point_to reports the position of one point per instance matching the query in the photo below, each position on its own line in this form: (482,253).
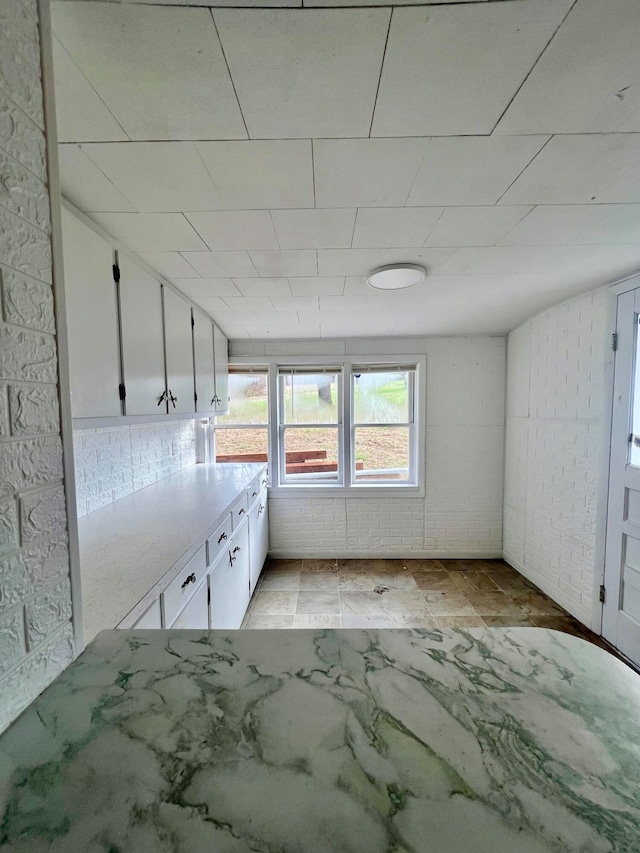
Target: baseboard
(307,554)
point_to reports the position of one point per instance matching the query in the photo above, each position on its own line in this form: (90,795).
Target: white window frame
(398,489)
(262,369)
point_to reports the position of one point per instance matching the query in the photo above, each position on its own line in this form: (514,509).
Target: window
(243,434)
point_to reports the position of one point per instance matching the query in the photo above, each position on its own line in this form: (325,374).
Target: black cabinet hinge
(601,596)
(208,595)
(122,391)
(614,341)
(193,322)
(116,273)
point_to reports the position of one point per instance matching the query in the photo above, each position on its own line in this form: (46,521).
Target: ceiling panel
(453,70)
(577,169)
(221,264)
(170,264)
(314,229)
(256,304)
(475,226)
(384,227)
(213,305)
(576,223)
(261,174)
(295,303)
(84,185)
(207,288)
(471,170)
(80,113)
(317,285)
(150,232)
(588,79)
(361,261)
(366,172)
(157,176)
(235,229)
(159,69)
(263,286)
(285,263)
(300,75)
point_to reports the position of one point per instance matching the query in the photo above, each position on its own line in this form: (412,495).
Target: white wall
(461,514)
(113,462)
(36,637)
(555,371)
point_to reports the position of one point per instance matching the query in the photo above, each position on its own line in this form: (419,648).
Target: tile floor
(402,594)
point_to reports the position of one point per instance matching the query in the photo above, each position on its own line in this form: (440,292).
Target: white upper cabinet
(142,341)
(92,321)
(221,351)
(204,364)
(179,353)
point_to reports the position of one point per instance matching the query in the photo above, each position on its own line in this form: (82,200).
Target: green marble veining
(479,741)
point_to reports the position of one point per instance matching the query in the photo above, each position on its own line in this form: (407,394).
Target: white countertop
(127,548)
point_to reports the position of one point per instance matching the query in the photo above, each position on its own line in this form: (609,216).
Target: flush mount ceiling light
(396,276)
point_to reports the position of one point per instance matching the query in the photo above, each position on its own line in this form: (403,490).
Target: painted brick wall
(36,638)
(461,514)
(113,462)
(553,444)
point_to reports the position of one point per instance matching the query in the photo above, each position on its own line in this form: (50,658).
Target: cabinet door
(196,613)
(179,352)
(142,340)
(229,583)
(258,539)
(221,349)
(92,321)
(204,363)
(151,618)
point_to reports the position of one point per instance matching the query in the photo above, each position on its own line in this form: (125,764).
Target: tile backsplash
(113,462)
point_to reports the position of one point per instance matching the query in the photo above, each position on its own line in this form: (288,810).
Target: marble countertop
(518,740)
(127,548)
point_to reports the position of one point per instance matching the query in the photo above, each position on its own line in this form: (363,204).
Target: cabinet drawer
(253,492)
(239,511)
(196,613)
(179,591)
(218,540)
(151,618)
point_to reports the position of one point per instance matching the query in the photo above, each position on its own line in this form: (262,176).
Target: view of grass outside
(379,398)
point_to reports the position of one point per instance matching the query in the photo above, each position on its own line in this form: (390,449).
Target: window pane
(248,400)
(381,398)
(310,398)
(382,453)
(242,445)
(311,454)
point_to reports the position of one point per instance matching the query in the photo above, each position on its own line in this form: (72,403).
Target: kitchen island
(518,740)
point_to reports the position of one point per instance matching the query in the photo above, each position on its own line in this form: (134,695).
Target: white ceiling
(265,159)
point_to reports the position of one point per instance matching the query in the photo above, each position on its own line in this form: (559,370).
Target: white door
(621,611)
(204,363)
(179,353)
(92,321)
(229,583)
(221,350)
(142,341)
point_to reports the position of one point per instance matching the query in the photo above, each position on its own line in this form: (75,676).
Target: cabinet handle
(190,579)
(253,494)
(241,511)
(222,537)
(162,397)
(173,399)
(236,549)
(264,482)
(260,509)
(232,559)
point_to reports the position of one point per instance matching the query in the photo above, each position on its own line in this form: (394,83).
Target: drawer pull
(190,579)
(260,509)
(264,482)
(241,511)
(222,537)
(232,559)
(236,549)
(253,494)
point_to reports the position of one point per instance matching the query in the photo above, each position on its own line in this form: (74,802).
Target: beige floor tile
(396,578)
(259,620)
(280,581)
(325,603)
(507,621)
(319,566)
(449,604)
(274,603)
(362,580)
(361,604)
(473,582)
(283,566)
(315,620)
(351,620)
(464,565)
(509,580)
(327,581)
(419,566)
(460,622)
(535,603)
(414,619)
(494,604)
(437,581)
(400,603)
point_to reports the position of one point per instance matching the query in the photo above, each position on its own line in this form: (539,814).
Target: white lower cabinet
(258,538)
(151,618)
(229,582)
(196,613)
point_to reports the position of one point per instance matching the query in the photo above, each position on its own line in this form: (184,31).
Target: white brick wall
(113,462)
(461,514)
(555,370)
(36,637)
